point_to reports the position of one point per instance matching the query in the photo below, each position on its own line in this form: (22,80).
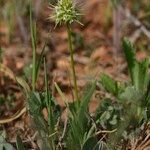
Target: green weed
(129,109)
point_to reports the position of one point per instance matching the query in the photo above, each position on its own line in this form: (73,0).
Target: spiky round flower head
(65,12)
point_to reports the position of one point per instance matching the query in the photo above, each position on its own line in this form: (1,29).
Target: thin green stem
(72,63)
(1,51)
(33,66)
(33,40)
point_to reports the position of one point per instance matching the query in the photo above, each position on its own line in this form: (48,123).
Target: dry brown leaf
(99,53)
(63,64)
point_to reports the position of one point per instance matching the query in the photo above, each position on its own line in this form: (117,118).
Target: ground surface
(93,54)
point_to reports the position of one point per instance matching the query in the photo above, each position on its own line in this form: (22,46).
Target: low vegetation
(122,115)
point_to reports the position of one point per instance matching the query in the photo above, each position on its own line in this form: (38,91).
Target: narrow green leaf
(33,40)
(109,84)
(1,52)
(143,74)
(85,101)
(133,66)
(19,143)
(39,61)
(62,94)
(24,85)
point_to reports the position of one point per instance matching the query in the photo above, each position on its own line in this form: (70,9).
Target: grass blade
(39,62)
(85,101)
(33,40)
(19,143)
(62,94)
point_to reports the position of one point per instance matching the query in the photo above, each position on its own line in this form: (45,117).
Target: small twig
(135,36)
(105,131)
(13,117)
(136,22)
(50,136)
(65,127)
(117,30)
(29,139)
(63,134)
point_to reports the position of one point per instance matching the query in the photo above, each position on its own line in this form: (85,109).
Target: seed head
(65,12)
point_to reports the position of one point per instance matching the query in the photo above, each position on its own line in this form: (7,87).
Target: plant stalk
(33,40)
(72,63)
(33,68)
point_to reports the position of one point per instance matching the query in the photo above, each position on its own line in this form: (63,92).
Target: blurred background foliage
(15,15)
